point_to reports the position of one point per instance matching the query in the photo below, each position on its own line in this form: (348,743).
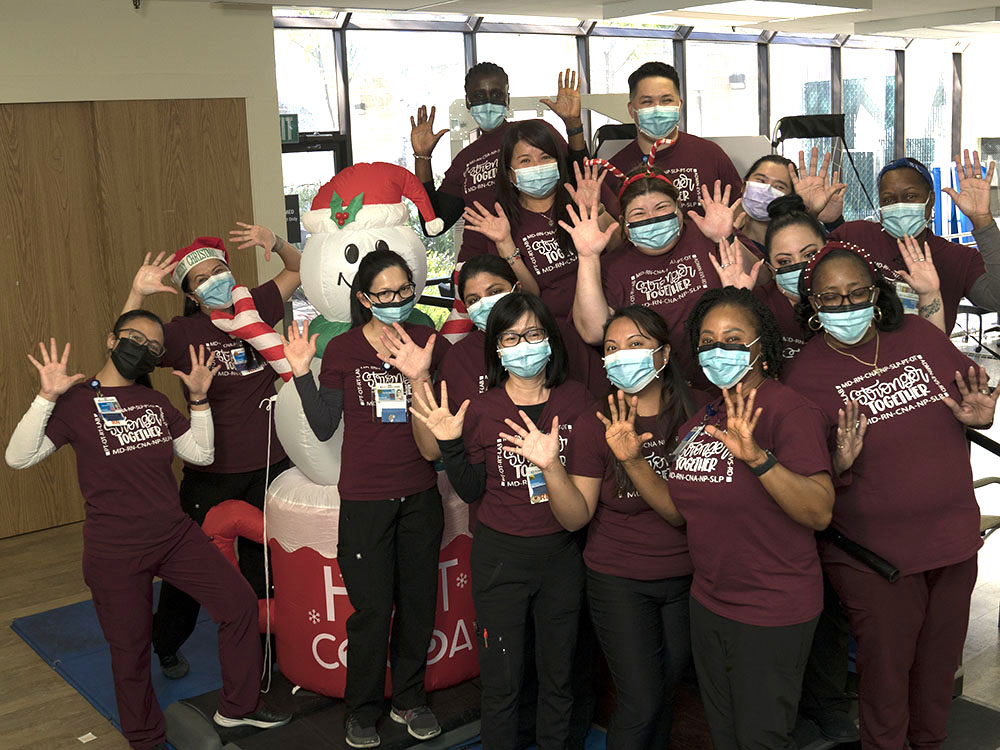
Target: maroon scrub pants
(910,637)
(123,597)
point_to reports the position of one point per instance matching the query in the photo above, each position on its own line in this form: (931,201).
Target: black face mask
(133,360)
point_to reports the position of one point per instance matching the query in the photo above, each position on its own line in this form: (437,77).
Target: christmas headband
(828,248)
(648,174)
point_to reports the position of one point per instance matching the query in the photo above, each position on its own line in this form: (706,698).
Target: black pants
(645,631)
(750,679)
(826,671)
(200,491)
(388,553)
(514,579)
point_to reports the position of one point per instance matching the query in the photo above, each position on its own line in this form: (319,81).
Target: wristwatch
(759,471)
(574,131)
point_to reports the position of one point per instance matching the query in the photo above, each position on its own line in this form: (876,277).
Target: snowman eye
(351,253)
(381,245)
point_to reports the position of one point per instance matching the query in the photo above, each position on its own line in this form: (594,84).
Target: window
(869,81)
(927,121)
(800,85)
(305,64)
(614,58)
(722,89)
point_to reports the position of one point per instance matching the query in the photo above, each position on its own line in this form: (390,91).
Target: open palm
(52,371)
(741,420)
(619,429)
(494,227)
(535,446)
(443,425)
(300,348)
(149,278)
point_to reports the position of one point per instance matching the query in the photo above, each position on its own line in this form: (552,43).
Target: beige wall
(86,50)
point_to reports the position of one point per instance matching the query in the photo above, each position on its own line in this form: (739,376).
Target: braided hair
(485,69)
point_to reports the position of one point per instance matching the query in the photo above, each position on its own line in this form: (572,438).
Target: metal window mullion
(583,68)
(680,65)
(836,82)
(899,130)
(764,87)
(956,103)
(344,94)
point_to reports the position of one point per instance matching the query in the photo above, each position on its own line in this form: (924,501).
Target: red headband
(648,174)
(828,248)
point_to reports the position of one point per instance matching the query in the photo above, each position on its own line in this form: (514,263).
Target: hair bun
(786,204)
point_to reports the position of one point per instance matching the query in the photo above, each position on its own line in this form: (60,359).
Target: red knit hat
(371,184)
(203,248)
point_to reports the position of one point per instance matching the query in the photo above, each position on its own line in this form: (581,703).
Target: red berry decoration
(349,211)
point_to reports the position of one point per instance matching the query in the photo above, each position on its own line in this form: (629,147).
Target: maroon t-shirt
(241,426)
(793,337)
(958,266)
(671,284)
(379,460)
(124,470)
(551,263)
(506,505)
(463,368)
(910,497)
(690,163)
(752,562)
(626,537)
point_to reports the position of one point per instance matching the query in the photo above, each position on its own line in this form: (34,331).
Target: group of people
(667,393)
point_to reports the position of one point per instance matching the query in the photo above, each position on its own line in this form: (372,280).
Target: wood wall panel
(86,189)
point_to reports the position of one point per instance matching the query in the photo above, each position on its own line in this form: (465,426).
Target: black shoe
(836,726)
(262,718)
(174,666)
(357,735)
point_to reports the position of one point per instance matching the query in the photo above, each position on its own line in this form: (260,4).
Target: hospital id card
(909,298)
(390,402)
(538,492)
(109,409)
(693,435)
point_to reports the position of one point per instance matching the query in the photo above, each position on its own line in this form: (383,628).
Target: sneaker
(174,666)
(262,718)
(357,735)
(420,721)
(836,726)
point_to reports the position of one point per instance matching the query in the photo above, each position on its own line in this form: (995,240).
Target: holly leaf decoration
(343,212)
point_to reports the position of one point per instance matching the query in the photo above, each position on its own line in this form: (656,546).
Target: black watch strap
(765,467)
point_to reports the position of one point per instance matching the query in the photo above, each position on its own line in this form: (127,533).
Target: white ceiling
(908,18)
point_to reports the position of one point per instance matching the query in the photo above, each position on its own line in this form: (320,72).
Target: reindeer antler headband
(647,174)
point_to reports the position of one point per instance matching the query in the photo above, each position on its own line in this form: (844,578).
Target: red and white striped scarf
(459,324)
(247,324)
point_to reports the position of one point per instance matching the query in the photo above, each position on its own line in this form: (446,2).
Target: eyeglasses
(854,297)
(532,336)
(155,347)
(389,295)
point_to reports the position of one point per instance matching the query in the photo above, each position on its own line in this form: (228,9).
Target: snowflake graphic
(313,616)
(462,580)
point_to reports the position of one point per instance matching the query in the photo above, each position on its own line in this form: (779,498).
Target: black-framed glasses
(155,347)
(404,292)
(532,336)
(858,296)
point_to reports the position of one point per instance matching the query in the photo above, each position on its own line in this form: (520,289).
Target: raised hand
(973,195)
(585,231)
(717,223)
(300,348)
(535,446)
(200,377)
(619,430)
(422,135)
(741,419)
(252,235)
(443,425)
(149,278)
(587,191)
(851,428)
(494,227)
(405,355)
(920,272)
(730,269)
(52,371)
(567,103)
(978,402)
(812,184)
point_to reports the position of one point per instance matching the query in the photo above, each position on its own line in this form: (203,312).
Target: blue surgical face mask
(631,369)
(787,277)
(655,233)
(216,292)
(488,116)
(904,219)
(725,365)
(525,359)
(757,196)
(479,311)
(394,312)
(658,121)
(537,181)
(847,324)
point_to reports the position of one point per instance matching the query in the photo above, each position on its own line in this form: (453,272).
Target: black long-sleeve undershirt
(323,406)
(469,480)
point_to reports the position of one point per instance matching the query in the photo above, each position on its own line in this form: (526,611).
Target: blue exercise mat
(69,639)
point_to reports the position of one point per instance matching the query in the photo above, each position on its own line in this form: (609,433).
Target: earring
(878,314)
(764,365)
(813,322)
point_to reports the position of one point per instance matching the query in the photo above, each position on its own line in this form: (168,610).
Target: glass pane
(306,12)
(929,72)
(800,85)
(533,20)
(613,59)
(369,16)
(722,90)
(305,64)
(869,105)
(649,21)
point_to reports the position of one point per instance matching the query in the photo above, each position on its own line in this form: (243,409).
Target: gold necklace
(876,369)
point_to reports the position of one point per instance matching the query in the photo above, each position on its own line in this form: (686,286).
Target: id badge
(240,359)
(390,402)
(909,298)
(538,492)
(693,435)
(109,409)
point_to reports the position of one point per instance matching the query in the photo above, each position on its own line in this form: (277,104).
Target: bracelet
(574,131)
(511,258)
(278,242)
(421,156)
(199,402)
(765,467)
